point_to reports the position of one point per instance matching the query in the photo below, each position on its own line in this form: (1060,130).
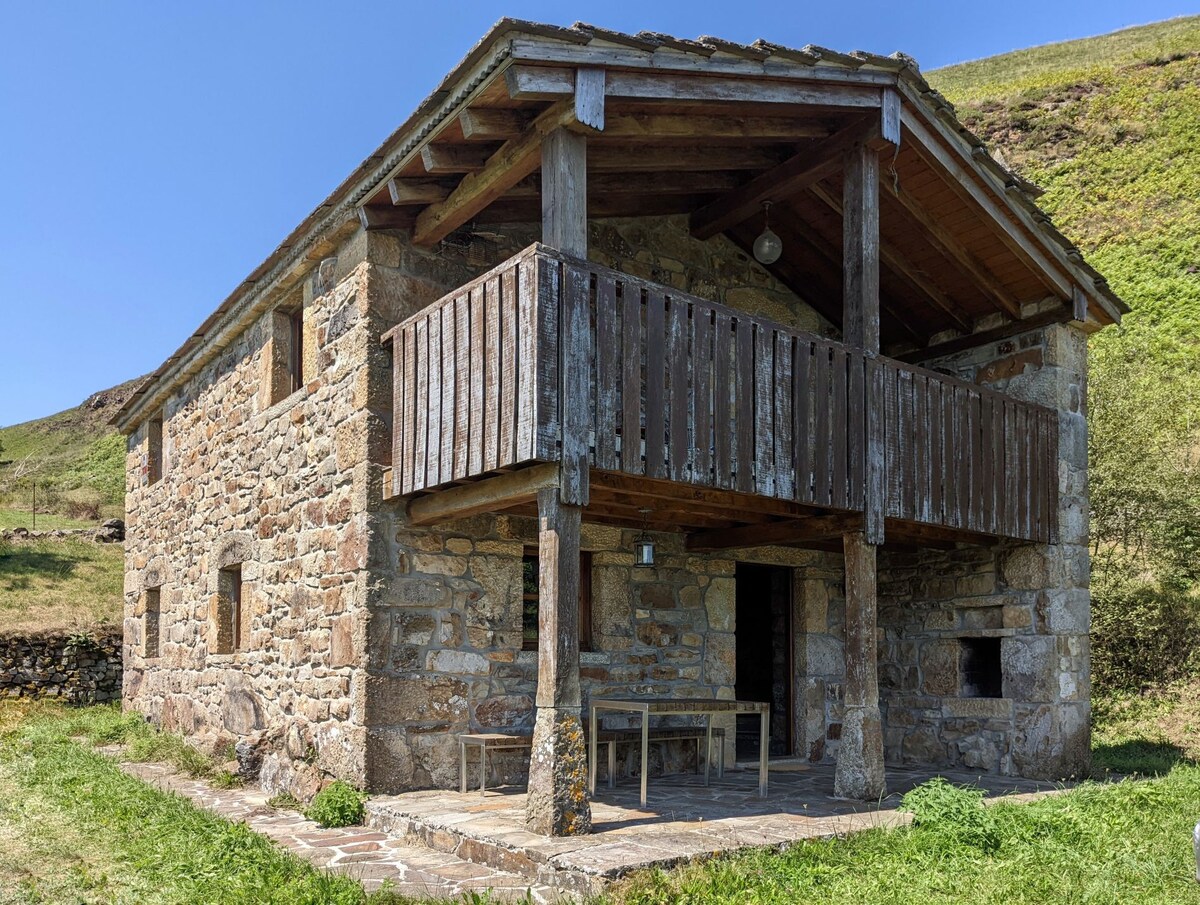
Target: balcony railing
(687,390)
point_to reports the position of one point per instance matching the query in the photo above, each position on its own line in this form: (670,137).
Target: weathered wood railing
(695,392)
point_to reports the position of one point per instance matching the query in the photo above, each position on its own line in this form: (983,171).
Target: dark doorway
(764,655)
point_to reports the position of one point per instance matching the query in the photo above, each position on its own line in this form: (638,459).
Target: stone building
(390,490)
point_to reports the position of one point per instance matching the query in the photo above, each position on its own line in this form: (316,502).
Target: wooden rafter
(488,495)
(789,178)
(515,160)
(899,264)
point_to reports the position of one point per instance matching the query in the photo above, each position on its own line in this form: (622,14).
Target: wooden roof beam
(788,179)
(548,83)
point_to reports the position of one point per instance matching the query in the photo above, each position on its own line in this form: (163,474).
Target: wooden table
(682,707)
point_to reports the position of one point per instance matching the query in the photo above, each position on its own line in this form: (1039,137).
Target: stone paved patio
(367,855)
(684,820)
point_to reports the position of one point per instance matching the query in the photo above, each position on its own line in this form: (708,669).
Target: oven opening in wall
(979,667)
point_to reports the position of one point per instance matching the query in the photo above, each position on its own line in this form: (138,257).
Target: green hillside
(76,460)
(1108,127)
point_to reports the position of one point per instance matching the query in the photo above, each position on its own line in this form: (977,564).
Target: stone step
(503,849)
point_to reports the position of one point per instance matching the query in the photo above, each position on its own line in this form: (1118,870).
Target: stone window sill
(586,658)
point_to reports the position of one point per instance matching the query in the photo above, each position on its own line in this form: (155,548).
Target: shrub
(83,510)
(955,814)
(1143,636)
(338,804)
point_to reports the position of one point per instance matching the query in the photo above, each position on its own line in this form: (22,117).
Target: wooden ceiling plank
(711,127)
(950,248)
(790,177)
(515,160)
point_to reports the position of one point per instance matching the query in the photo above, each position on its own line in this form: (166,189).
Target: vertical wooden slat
(1011,468)
(506,453)
(462,385)
(977,476)
(743,413)
(702,381)
(802,403)
(679,366)
(891,437)
(422,406)
(410,400)
(449,379)
(921,446)
(397,411)
(723,427)
(936,472)
(493,312)
(608,350)
(764,411)
(785,447)
(962,404)
(856,424)
(997,445)
(838,474)
(822,433)
(908,457)
(655,365)
(527,351)
(549,315)
(986,466)
(631,381)
(407,391)
(478,355)
(949,457)
(575,360)
(434,445)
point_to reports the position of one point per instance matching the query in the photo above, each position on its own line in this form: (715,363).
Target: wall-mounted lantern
(643,546)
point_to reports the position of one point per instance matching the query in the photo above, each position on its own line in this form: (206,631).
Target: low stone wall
(74,667)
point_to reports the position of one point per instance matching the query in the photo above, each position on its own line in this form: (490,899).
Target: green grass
(23,518)
(60,583)
(75,829)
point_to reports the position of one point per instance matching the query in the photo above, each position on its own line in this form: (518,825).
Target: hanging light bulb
(768,246)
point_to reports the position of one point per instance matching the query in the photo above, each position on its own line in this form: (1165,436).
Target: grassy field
(60,583)
(75,829)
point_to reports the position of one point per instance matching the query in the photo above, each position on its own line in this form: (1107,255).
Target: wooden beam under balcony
(489,495)
(797,531)
(789,178)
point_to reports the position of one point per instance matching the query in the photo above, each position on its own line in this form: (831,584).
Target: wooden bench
(507,741)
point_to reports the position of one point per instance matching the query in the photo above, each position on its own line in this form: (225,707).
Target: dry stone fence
(80,668)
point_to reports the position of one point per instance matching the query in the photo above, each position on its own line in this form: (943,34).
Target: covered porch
(692,821)
(556,388)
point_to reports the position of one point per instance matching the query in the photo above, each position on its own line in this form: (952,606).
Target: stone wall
(79,668)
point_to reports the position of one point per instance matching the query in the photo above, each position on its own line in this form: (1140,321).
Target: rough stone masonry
(364,645)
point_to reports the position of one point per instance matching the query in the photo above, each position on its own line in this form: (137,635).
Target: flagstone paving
(366,855)
(684,820)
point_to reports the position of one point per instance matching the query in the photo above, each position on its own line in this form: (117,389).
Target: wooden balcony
(691,392)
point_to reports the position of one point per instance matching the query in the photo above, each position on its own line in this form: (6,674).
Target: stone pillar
(557,803)
(859,772)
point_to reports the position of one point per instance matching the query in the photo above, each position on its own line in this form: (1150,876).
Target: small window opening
(229,610)
(530,600)
(154,450)
(153,618)
(296,349)
(980,668)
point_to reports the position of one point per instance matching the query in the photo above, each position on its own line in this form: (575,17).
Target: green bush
(954,813)
(338,804)
(1143,636)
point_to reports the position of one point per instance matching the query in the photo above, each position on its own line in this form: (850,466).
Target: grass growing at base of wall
(60,583)
(75,829)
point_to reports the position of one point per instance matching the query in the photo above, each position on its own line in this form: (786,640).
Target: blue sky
(152,154)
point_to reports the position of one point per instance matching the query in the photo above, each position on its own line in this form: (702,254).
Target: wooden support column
(557,803)
(859,773)
(564,226)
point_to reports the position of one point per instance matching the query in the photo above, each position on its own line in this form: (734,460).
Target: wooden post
(557,803)
(564,192)
(859,773)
